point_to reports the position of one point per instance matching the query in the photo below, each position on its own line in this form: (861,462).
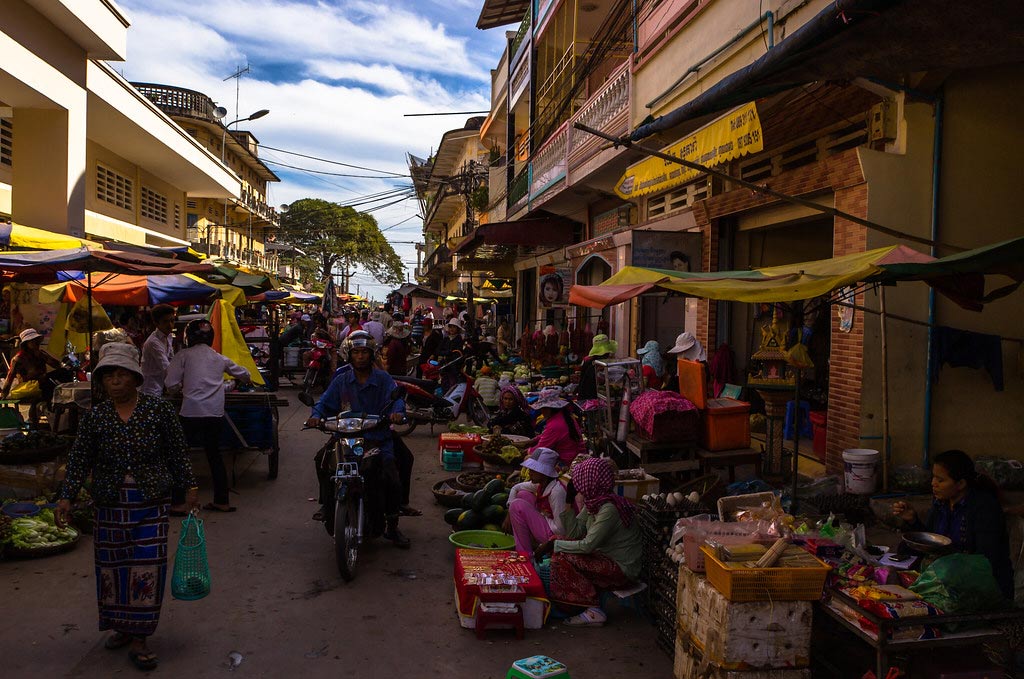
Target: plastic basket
(765,584)
(191,578)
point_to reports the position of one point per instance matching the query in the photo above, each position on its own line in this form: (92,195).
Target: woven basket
(19,553)
(450,501)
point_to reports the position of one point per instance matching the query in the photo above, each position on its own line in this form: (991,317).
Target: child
(535,506)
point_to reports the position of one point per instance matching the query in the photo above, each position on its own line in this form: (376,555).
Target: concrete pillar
(49,168)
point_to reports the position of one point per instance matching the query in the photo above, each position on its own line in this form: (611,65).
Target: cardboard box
(634,489)
(690,663)
(742,636)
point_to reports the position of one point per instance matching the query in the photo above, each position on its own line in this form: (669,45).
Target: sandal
(117,640)
(144,660)
(406,510)
(209,506)
(592,617)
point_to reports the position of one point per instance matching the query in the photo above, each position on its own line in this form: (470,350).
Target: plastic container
(452,460)
(819,426)
(292,356)
(693,382)
(861,470)
(482,539)
(726,425)
(765,584)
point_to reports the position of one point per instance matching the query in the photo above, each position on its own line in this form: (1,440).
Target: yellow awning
(39,239)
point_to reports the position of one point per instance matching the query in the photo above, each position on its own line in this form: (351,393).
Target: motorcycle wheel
(405,429)
(478,413)
(346,537)
(309,380)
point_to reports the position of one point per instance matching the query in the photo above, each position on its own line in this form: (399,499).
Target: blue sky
(337,77)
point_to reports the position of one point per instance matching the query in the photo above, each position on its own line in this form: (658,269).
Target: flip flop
(409,511)
(209,506)
(145,661)
(117,640)
(588,618)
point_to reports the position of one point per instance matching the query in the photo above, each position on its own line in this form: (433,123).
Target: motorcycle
(353,511)
(424,403)
(318,366)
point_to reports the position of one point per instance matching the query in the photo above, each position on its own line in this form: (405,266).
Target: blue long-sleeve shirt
(371,398)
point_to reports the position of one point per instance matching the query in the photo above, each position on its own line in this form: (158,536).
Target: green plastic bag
(191,579)
(960,583)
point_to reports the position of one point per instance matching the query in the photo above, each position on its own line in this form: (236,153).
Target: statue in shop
(771,357)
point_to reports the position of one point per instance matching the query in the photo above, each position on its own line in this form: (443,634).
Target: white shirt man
(199,371)
(157,350)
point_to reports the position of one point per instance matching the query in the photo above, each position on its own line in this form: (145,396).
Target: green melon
(468,520)
(467,501)
(480,500)
(451,517)
(493,527)
(500,499)
(494,514)
(494,486)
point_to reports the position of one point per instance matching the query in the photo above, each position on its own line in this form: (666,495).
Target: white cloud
(336,78)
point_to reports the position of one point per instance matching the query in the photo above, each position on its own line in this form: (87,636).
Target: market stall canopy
(40,265)
(960,277)
(21,236)
(130,290)
(537,232)
(285,297)
(883,39)
(412,288)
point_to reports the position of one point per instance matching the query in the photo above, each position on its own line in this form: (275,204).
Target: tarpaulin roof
(40,264)
(527,232)
(129,290)
(960,277)
(868,38)
(21,236)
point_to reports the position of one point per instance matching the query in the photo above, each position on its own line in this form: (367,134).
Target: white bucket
(291,356)
(861,466)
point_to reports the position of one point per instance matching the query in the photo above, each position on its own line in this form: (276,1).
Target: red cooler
(726,425)
(464,442)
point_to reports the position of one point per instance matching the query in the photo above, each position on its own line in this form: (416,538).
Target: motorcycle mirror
(399,392)
(306,399)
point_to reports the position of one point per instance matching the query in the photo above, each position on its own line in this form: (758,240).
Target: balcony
(254,203)
(521,42)
(177,101)
(549,162)
(519,191)
(607,110)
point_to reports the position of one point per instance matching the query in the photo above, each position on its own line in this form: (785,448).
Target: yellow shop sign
(735,134)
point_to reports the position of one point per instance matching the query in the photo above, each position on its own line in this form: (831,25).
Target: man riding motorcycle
(365,389)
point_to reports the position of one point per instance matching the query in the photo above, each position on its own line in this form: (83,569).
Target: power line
(332,174)
(449,113)
(332,162)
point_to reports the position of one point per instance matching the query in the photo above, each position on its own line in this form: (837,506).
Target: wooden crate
(689,663)
(742,636)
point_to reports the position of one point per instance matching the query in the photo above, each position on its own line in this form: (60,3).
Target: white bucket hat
(119,355)
(550,401)
(543,461)
(400,330)
(689,347)
(28,334)
(456,322)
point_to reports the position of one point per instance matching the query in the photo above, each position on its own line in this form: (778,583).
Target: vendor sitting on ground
(966,509)
(513,416)
(535,507)
(561,431)
(28,368)
(601,548)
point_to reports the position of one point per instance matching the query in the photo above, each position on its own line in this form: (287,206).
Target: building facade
(82,152)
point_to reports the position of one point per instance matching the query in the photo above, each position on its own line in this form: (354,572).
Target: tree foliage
(334,234)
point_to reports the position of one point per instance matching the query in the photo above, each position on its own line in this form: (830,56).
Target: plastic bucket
(861,467)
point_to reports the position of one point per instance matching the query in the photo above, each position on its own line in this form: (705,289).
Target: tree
(333,234)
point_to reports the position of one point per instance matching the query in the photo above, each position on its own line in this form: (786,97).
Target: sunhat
(689,347)
(28,334)
(543,460)
(306,318)
(400,330)
(375,316)
(119,355)
(602,345)
(550,402)
(456,322)
(652,345)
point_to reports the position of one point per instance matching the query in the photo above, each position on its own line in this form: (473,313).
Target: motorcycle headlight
(350,424)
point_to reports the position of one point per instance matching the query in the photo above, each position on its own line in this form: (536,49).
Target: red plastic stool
(486,618)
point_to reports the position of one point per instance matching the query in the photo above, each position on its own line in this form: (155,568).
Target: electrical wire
(332,162)
(331,174)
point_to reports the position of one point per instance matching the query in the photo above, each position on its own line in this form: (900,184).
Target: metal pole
(796,442)
(885,391)
(88,297)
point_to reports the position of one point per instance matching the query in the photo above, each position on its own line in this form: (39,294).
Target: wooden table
(644,448)
(730,459)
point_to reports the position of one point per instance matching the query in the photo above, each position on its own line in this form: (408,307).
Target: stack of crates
(451,459)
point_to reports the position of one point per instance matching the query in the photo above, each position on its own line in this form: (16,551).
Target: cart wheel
(274,458)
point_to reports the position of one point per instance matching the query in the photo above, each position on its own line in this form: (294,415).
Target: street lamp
(223,154)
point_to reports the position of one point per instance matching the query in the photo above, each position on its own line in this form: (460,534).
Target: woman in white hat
(29,365)
(133,446)
(535,507)
(689,347)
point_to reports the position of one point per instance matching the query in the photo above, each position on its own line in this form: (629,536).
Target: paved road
(277,599)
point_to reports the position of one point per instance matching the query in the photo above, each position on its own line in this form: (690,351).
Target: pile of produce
(38,532)
(457,428)
(22,447)
(521,371)
(500,447)
(553,382)
(483,510)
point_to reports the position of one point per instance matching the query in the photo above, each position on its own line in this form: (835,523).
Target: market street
(278,601)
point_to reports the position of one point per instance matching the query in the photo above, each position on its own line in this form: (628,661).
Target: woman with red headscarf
(601,547)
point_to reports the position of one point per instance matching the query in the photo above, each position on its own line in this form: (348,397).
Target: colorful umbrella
(128,290)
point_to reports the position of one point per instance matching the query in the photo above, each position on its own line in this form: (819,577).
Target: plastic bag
(191,579)
(959,583)
(26,391)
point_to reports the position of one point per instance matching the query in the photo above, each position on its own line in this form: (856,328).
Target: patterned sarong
(577,578)
(131,562)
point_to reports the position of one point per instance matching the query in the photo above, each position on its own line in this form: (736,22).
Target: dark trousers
(205,432)
(404,459)
(381,474)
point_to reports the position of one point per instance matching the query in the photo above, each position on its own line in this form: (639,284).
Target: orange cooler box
(463,442)
(693,382)
(726,424)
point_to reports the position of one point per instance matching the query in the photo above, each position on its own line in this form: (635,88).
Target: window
(153,205)
(6,142)
(177,215)
(191,204)
(114,188)
(192,219)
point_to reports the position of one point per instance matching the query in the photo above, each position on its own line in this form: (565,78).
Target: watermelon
(468,520)
(451,517)
(494,486)
(467,501)
(494,514)
(493,527)
(480,500)
(500,499)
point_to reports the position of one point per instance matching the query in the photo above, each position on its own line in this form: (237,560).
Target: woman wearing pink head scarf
(601,548)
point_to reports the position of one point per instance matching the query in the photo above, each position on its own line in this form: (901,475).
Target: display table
(475,568)
(644,448)
(886,646)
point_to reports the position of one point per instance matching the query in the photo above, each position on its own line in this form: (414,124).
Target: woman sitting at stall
(966,509)
(602,348)
(601,548)
(535,507)
(513,416)
(653,365)
(561,432)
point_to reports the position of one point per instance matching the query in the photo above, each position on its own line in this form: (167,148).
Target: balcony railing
(252,202)
(550,162)
(607,110)
(177,101)
(519,191)
(520,39)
